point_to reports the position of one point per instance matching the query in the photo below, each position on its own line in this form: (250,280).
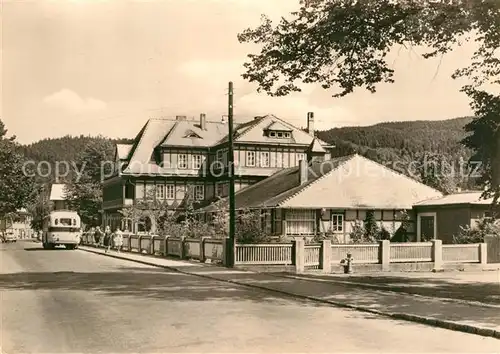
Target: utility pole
(232,210)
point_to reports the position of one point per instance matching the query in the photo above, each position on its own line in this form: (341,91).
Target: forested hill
(401,140)
(66,148)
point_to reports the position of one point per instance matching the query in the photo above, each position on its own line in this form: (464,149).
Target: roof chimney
(180,118)
(203,121)
(310,123)
(303,171)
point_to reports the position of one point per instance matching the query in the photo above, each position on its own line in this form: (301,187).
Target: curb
(454,326)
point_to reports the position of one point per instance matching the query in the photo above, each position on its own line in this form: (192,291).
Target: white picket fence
(314,254)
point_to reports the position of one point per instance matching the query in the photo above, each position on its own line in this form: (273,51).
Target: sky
(106,67)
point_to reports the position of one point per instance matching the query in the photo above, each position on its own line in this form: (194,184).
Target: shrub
(401,234)
(370,226)
(383,234)
(484,226)
(357,235)
(249,227)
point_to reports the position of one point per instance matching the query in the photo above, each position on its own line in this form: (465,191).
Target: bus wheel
(70,247)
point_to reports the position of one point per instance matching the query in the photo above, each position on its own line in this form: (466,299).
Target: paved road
(72,301)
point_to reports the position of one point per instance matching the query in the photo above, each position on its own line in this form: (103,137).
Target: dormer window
(279,134)
(192,134)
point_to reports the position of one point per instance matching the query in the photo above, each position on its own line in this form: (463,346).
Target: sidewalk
(481,288)
(463,317)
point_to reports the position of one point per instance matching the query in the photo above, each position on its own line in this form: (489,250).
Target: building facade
(19,223)
(329,197)
(444,217)
(171,158)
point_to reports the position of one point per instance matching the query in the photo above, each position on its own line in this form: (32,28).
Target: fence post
(183,250)
(299,255)
(325,257)
(385,255)
(152,245)
(202,249)
(139,244)
(483,253)
(437,255)
(165,246)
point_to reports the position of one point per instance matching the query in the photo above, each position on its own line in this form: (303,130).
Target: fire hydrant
(347,263)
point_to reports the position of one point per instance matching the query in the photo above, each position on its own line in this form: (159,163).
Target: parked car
(9,237)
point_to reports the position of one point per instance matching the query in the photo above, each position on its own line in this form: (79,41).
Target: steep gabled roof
(123,150)
(181,134)
(345,182)
(316,146)
(255,132)
(150,136)
(188,133)
(278,126)
(280,186)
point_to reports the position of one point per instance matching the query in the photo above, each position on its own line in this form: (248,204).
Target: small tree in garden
(383,234)
(401,234)
(249,227)
(357,235)
(220,220)
(132,214)
(476,234)
(370,226)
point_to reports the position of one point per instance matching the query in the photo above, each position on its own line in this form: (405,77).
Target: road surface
(59,301)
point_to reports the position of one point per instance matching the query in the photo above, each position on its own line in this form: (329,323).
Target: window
(264,159)
(160,191)
(300,156)
(199,192)
(251,158)
(219,190)
(337,222)
(279,134)
(276,216)
(182,161)
(170,191)
(488,215)
(196,162)
(65,222)
(300,222)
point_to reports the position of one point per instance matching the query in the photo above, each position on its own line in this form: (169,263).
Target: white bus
(61,227)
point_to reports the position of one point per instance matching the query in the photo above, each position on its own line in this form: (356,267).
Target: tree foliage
(476,234)
(16,181)
(484,140)
(84,193)
(344,44)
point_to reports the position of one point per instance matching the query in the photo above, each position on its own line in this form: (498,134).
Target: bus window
(74,222)
(56,221)
(65,221)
